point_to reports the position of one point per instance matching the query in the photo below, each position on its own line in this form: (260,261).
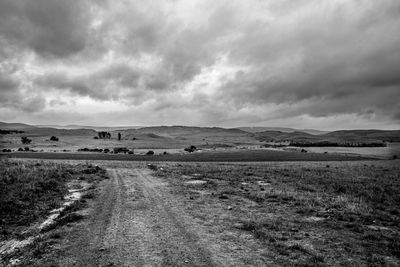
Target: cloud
(224,62)
(51,28)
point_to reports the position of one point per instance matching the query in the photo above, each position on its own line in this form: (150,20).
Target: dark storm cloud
(107,83)
(347,65)
(12,97)
(52,28)
(221,60)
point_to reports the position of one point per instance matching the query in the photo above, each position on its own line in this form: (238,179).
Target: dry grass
(343,213)
(30,189)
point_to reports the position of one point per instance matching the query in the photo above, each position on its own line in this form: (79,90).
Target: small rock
(102,249)
(229,207)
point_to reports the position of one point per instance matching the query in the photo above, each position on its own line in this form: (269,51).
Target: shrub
(120,150)
(104,135)
(152,167)
(191,149)
(25,140)
(150,152)
(54,138)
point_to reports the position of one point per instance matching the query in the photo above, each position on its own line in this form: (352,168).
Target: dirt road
(136,222)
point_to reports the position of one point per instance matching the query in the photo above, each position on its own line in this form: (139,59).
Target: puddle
(196,182)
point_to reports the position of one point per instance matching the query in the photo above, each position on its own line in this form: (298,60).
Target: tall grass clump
(28,190)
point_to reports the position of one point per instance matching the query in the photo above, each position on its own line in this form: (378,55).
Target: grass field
(303,214)
(209,156)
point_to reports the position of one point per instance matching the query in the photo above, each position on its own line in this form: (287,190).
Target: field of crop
(307,214)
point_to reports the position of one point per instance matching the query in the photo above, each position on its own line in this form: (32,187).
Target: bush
(190,149)
(150,152)
(120,150)
(25,140)
(54,138)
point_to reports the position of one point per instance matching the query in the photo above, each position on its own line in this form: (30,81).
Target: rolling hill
(343,136)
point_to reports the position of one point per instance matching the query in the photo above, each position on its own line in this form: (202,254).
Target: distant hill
(278,136)
(216,134)
(344,136)
(60,132)
(368,135)
(179,131)
(40,131)
(96,128)
(15,126)
(281,129)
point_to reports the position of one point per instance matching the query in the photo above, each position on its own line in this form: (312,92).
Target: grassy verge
(307,214)
(30,189)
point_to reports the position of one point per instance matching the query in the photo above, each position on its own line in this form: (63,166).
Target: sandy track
(135,222)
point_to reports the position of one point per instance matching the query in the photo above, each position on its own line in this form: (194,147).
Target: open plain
(225,214)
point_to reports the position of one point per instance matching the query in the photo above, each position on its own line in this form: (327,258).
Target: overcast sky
(332,64)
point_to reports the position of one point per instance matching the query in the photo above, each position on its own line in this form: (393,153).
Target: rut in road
(136,223)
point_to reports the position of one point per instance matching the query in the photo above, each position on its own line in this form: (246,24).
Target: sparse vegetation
(300,213)
(28,190)
(104,135)
(190,149)
(338,144)
(10,131)
(120,150)
(54,138)
(25,140)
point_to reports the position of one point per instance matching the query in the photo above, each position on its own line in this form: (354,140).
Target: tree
(104,135)
(119,136)
(25,140)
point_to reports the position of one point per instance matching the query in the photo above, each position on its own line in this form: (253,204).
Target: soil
(136,222)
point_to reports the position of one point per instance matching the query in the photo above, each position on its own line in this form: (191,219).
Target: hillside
(186,131)
(344,136)
(281,129)
(15,126)
(366,135)
(45,131)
